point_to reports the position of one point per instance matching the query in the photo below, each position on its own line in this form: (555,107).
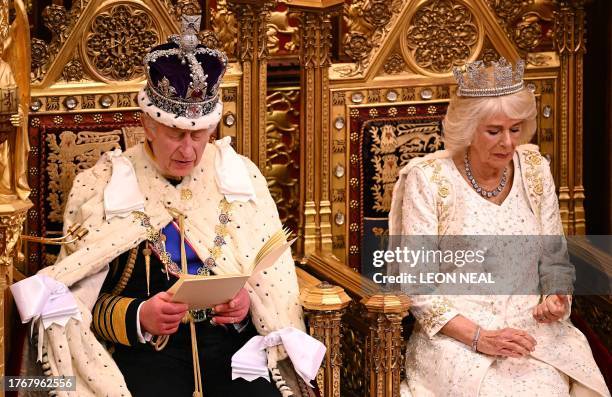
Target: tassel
(197,373)
(280,383)
(147,255)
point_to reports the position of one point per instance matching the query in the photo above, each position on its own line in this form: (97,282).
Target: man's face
(176,151)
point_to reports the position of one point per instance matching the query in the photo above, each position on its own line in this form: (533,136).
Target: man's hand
(234,311)
(552,309)
(508,342)
(160,316)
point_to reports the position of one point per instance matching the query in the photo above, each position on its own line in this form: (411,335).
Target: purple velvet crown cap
(183,79)
(178,72)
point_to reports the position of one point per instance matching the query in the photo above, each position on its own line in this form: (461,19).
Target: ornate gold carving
(358,46)
(488,53)
(229,94)
(338,195)
(384,343)
(507,10)
(225,26)
(4,20)
(395,64)
(539,59)
(11,223)
(393,145)
(522,20)
(338,242)
(338,98)
(569,41)
(282,169)
(339,146)
(74,153)
(408,94)
(252,29)
(528,32)
(55,19)
(40,57)
(279,23)
(133,135)
(324,306)
(378,13)
(10,230)
(354,353)
(119,37)
(441,34)
(210,39)
(123,100)
(73,71)
(186,7)
(367,24)
(308,55)
(373,97)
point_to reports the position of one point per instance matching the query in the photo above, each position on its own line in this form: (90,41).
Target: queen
(490,182)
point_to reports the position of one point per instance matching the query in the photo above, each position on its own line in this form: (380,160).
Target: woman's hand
(552,309)
(160,316)
(507,342)
(234,311)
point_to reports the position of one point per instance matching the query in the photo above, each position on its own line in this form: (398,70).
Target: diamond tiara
(478,80)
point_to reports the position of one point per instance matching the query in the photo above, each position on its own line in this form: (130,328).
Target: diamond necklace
(479,189)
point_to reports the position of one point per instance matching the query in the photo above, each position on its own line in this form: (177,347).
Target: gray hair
(465,114)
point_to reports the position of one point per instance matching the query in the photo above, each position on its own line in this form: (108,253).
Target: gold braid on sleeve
(127,272)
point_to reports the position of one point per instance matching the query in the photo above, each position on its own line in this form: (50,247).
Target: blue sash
(173,247)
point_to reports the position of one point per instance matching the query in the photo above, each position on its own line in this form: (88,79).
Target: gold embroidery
(434,316)
(186,194)
(533,177)
(96,316)
(533,158)
(439,180)
(433,169)
(106,312)
(127,272)
(119,312)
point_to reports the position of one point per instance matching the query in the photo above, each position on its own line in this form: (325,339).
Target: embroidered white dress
(436,200)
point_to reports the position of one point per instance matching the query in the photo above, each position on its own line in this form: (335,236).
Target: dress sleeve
(557,274)
(420,231)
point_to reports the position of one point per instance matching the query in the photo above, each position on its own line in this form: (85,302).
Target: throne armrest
(374,322)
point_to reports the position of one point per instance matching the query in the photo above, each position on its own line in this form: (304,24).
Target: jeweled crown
(183,76)
(499,78)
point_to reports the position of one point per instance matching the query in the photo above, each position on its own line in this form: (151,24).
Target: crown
(478,80)
(183,79)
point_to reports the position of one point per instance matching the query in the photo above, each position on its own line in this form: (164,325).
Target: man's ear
(149,126)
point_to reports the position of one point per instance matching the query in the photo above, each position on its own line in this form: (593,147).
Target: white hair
(465,114)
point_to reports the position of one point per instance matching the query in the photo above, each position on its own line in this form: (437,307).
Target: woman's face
(495,140)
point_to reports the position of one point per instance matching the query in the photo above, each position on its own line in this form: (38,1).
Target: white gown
(437,365)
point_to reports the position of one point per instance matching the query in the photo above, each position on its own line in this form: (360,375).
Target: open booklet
(202,292)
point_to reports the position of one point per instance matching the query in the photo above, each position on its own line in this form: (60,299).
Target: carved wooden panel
(382,141)
(283,153)
(61,147)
